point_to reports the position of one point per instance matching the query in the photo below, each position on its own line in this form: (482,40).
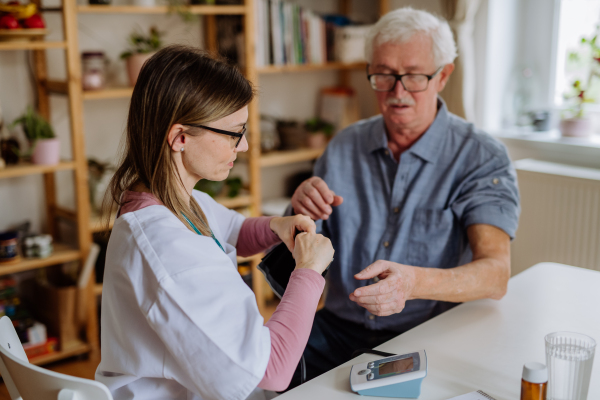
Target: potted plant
(574,121)
(44,146)
(142,47)
(319,132)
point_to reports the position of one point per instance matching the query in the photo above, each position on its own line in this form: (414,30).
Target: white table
(484,344)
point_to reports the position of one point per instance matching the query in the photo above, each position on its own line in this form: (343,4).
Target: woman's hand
(285,228)
(313,251)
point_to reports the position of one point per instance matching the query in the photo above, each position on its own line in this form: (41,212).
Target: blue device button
(370,365)
(370,377)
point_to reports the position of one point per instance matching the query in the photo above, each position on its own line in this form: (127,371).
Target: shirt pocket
(433,240)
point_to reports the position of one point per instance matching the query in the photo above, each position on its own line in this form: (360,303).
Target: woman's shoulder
(166,242)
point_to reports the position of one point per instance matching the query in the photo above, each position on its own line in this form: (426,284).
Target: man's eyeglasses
(410,82)
(238,135)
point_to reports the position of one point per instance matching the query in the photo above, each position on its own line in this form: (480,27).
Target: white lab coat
(178,322)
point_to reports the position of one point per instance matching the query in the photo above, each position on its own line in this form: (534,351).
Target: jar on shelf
(37,246)
(93,70)
(8,247)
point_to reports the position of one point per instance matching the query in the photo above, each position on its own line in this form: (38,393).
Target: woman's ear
(176,137)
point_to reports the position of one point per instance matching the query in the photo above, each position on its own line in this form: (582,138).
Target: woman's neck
(140,187)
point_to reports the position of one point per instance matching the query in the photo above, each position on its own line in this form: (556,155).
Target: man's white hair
(400,25)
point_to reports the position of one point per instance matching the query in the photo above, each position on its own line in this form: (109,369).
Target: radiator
(560,217)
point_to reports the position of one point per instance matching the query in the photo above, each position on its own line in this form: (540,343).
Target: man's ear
(444,75)
(176,138)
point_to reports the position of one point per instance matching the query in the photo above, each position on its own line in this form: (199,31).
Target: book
(48,347)
(478,395)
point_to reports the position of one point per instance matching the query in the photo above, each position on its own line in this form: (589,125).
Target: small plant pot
(292,135)
(134,66)
(46,152)
(576,127)
(316,140)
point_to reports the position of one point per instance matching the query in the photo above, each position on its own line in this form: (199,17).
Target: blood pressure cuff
(277,266)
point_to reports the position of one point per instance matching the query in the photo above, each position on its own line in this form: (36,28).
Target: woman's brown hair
(178,85)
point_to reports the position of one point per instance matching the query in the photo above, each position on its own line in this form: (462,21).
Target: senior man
(418,203)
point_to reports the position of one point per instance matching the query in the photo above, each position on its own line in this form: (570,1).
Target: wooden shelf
(74,349)
(38,45)
(108,93)
(62,254)
(197,10)
(23,169)
(275,69)
(283,157)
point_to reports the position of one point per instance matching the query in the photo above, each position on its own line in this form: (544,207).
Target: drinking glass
(569,357)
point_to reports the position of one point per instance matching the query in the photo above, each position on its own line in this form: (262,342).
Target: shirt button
(387,153)
(376,279)
(396,210)
(495,181)
(371,317)
(386,244)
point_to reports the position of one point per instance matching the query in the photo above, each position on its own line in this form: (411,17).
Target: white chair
(26,381)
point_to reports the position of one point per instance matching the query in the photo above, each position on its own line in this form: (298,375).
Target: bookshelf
(63,252)
(258,162)
(24,169)
(40,45)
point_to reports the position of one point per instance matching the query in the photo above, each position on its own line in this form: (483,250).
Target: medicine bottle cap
(535,372)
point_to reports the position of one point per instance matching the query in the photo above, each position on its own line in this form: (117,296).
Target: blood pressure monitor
(396,376)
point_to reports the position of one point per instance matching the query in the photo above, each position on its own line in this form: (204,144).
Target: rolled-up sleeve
(489,194)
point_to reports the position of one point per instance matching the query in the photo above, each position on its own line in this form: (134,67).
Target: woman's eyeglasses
(238,135)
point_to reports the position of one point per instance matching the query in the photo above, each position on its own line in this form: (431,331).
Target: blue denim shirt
(414,212)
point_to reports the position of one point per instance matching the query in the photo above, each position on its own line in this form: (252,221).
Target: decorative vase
(134,66)
(316,140)
(576,127)
(46,152)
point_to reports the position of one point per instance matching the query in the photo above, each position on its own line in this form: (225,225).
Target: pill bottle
(535,381)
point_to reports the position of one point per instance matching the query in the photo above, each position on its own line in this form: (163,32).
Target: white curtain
(459,92)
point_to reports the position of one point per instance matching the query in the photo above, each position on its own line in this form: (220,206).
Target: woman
(178,322)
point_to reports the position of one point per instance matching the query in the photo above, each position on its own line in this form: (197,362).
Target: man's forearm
(480,279)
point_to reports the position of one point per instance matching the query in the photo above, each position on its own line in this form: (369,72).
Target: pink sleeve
(290,327)
(256,236)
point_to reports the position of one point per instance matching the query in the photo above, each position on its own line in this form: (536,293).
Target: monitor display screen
(397,367)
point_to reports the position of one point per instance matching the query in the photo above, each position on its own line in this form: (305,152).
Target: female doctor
(178,322)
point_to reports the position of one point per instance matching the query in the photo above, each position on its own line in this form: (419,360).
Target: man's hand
(389,295)
(314,198)
(285,228)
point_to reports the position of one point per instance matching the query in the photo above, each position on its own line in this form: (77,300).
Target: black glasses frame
(238,135)
(399,78)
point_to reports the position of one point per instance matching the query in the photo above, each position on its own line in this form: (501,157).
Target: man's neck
(401,138)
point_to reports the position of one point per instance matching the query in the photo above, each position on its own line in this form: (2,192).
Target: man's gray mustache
(405,101)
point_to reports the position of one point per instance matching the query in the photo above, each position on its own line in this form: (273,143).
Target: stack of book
(290,34)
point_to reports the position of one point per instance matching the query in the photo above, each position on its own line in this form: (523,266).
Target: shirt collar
(429,144)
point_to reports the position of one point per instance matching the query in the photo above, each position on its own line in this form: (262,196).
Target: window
(577,19)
